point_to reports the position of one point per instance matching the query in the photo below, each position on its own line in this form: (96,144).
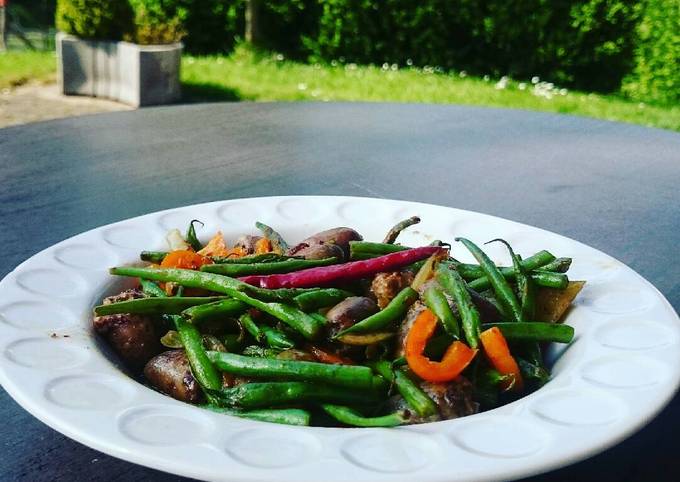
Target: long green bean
(224,308)
(393,233)
(268,394)
(414,396)
(454,285)
(540,277)
(320,298)
(474,271)
(439,305)
(306,325)
(349,416)
(149,288)
(272,337)
(394,311)
(534,331)
(560,265)
(201,366)
(287,266)
(252,259)
(155,305)
(503,291)
(156,257)
(286,416)
(191,237)
(353,376)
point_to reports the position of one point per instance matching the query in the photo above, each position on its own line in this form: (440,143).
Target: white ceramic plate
(622,368)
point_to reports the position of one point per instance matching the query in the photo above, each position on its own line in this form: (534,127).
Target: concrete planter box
(134,74)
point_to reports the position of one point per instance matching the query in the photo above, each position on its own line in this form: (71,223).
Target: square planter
(134,74)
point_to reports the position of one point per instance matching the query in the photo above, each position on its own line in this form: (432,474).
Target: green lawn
(19,67)
(244,75)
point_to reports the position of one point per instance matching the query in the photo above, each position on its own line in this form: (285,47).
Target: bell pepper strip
(351,271)
(456,358)
(184,259)
(498,353)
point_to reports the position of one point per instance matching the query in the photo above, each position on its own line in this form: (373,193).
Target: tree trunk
(253,34)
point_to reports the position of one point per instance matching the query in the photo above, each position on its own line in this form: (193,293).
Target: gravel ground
(35,102)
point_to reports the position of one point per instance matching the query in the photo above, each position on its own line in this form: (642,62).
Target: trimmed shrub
(656,75)
(157,22)
(95,19)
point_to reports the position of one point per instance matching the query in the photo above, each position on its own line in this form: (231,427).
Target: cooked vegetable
(454,361)
(276,333)
(391,313)
(287,266)
(351,271)
(496,349)
(393,233)
(351,417)
(454,285)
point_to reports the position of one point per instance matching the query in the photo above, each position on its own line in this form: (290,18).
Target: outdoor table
(612,186)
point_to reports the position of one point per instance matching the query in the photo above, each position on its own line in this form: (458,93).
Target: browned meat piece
(133,337)
(338,236)
(348,312)
(454,399)
(385,286)
(170,373)
(247,242)
(321,251)
(413,312)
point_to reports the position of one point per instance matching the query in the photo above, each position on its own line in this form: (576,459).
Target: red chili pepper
(324,275)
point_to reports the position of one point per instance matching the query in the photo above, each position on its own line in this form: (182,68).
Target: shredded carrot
(262,246)
(215,247)
(498,353)
(184,259)
(457,356)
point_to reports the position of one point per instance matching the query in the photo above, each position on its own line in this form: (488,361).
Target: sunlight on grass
(248,76)
(19,67)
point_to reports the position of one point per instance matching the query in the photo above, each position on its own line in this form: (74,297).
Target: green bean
(306,325)
(540,277)
(156,257)
(454,285)
(436,301)
(320,298)
(260,352)
(275,238)
(473,271)
(534,331)
(414,396)
(503,291)
(233,269)
(364,249)
(223,308)
(394,311)
(393,233)
(532,372)
(353,376)
(201,366)
(252,259)
(267,394)
(149,288)
(271,336)
(155,305)
(232,341)
(351,417)
(286,416)
(525,285)
(560,265)
(192,239)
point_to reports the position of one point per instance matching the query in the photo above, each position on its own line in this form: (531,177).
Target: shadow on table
(193,93)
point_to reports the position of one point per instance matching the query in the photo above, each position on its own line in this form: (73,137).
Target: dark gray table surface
(612,186)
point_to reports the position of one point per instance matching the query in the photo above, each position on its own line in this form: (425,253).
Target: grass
(19,67)
(245,75)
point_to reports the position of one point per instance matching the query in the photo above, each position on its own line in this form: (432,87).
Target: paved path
(34,102)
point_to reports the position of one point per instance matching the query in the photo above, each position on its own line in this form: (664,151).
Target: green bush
(582,43)
(157,22)
(656,75)
(95,19)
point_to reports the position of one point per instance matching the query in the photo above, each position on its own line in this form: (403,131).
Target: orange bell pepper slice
(184,259)
(263,246)
(458,355)
(498,353)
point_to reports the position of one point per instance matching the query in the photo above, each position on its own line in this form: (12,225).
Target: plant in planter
(126,51)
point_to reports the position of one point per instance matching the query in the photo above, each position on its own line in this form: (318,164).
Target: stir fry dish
(335,330)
